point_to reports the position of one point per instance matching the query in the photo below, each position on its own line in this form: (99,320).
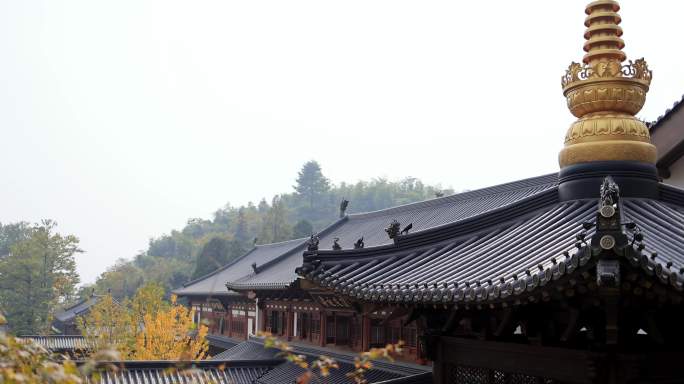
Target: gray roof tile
(69,313)
(423,215)
(201,372)
(499,254)
(214,284)
(58,343)
(383,372)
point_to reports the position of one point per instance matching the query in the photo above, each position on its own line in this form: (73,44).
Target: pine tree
(311,184)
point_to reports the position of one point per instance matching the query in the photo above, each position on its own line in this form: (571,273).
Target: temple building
(572,277)
(299,311)
(667,134)
(65,321)
(581,283)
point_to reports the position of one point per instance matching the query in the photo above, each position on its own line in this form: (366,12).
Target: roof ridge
(76,304)
(234,261)
(280,242)
(506,213)
(191,282)
(276,260)
(668,112)
(548,179)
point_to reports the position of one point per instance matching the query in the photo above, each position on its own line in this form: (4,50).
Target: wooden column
(365,332)
(324,329)
(245,327)
(290,324)
(263,313)
(230,321)
(438,368)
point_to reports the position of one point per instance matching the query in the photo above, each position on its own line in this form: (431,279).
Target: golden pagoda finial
(606,95)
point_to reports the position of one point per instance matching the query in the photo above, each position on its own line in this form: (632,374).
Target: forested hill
(205,244)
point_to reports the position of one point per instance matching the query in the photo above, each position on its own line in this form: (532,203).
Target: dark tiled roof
(214,284)
(247,350)
(59,343)
(433,213)
(423,215)
(288,373)
(201,372)
(69,313)
(420,378)
(498,254)
(663,227)
(653,126)
(224,342)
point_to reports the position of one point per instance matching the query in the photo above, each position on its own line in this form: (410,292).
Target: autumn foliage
(166,335)
(145,328)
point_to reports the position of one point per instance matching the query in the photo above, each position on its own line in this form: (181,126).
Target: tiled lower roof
(224,342)
(201,372)
(76,309)
(383,372)
(248,350)
(59,343)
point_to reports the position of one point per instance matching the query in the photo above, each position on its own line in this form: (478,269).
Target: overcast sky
(122,119)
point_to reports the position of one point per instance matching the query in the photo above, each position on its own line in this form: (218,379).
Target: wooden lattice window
(458,374)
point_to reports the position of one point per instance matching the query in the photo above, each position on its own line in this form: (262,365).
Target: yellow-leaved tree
(166,336)
(108,325)
(145,328)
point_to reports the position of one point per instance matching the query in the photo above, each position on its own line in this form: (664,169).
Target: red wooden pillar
(245,326)
(225,323)
(419,351)
(230,322)
(324,329)
(261,317)
(365,332)
(289,318)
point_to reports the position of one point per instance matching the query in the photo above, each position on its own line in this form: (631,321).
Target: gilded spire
(605,95)
(603,33)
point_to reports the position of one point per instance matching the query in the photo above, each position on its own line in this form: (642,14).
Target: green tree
(216,253)
(303,228)
(13,233)
(121,280)
(148,299)
(172,259)
(311,184)
(242,228)
(38,275)
(276,227)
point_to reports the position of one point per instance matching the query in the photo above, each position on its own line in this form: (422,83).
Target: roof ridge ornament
(393,229)
(610,196)
(312,243)
(343,207)
(605,95)
(336,244)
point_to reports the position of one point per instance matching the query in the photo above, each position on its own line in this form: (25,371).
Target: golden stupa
(605,95)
